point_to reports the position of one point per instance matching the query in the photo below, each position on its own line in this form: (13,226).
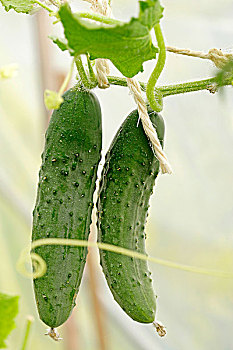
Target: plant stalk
(168,90)
(88,80)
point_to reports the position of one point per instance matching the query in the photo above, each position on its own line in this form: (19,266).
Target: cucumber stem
(85,79)
(91,73)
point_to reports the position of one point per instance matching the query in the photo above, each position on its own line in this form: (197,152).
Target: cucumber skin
(64,200)
(126,184)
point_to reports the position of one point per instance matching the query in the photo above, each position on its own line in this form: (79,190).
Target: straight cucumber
(126,185)
(64,200)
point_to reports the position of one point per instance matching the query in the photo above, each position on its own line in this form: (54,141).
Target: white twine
(215,55)
(102,65)
(148,126)
(102,70)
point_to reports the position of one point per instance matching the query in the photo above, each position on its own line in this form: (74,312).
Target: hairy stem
(182,88)
(168,90)
(82,73)
(122,82)
(155,99)
(91,73)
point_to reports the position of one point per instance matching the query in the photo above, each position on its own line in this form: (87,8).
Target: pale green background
(191,214)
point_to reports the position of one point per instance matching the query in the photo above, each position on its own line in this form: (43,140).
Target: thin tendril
(67,79)
(40,265)
(30,320)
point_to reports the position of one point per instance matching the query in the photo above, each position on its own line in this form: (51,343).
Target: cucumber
(126,185)
(64,200)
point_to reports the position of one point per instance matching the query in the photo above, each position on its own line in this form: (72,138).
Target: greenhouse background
(191,212)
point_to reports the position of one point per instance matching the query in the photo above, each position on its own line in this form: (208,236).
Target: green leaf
(127,45)
(8,311)
(150,13)
(24,6)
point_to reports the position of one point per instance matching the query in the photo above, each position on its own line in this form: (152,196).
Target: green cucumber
(65,200)
(126,185)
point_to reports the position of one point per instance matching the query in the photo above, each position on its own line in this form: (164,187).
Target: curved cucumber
(64,200)
(127,182)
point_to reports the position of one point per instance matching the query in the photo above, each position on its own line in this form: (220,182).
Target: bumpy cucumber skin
(64,200)
(126,185)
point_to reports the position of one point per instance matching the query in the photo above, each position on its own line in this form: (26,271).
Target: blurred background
(191,212)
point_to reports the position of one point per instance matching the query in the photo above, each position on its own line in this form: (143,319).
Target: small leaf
(127,45)
(24,6)
(8,71)
(52,99)
(150,13)
(8,311)
(62,43)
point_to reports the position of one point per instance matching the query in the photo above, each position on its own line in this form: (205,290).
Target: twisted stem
(154,97)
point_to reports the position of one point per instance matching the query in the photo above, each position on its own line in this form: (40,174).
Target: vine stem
(81,71)
(206,84)
(175,89)
(30,320)
(155,100)
(120,81)
(91,72)
(86,80)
